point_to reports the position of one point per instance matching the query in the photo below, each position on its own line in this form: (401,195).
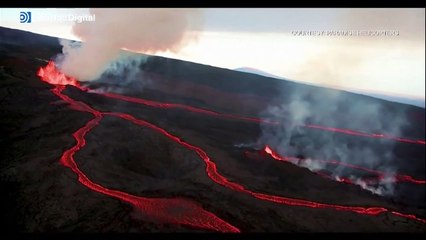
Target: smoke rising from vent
(140,30)
(326,107)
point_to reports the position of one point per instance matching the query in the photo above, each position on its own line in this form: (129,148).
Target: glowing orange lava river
(163,209)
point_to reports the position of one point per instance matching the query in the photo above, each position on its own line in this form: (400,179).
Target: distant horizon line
(371,93)
(388,94)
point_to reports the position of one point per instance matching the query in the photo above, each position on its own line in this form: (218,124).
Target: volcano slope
(103,160)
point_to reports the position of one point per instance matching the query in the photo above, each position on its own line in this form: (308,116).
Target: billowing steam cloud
(141,30)
(307,105)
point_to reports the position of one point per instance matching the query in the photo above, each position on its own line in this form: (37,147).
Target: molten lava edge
(380,175)
(159,208)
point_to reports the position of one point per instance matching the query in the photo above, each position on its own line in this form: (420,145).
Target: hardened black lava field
(177,149)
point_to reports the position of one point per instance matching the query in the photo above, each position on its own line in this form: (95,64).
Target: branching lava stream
(163,208)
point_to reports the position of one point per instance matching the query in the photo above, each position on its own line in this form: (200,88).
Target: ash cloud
(327,107)
(140,30)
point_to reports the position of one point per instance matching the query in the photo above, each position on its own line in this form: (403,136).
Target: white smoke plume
(140,30)
(312,165)
(305,105)
(383,187)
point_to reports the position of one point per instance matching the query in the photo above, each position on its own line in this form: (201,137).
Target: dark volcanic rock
(41,195)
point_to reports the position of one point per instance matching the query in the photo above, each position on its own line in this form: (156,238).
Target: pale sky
(264,39)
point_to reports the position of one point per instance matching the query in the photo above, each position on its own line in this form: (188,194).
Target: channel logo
(25,17)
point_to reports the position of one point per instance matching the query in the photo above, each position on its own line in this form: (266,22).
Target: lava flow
(371,135)
(158,208)
(161,208)
(253,119)
(184,107)
(212,172)
(380,175)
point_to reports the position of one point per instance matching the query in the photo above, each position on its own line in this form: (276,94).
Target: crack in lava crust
(160,208)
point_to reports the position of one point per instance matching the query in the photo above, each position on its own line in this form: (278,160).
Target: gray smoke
(326,107)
